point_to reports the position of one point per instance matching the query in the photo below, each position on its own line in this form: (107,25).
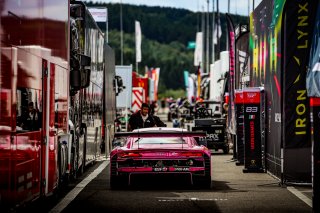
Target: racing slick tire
(204,181)
(117,181)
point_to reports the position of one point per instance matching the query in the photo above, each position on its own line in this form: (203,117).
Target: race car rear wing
(161,134)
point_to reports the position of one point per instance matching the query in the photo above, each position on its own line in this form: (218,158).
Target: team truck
(57,102)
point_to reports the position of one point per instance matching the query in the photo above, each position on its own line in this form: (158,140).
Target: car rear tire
(204,181)
(116,181)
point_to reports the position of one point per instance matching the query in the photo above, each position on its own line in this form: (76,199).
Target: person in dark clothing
(163,105)
(153,107)
(142,119)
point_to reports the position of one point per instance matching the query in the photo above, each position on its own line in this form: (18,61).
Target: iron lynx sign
(299,25)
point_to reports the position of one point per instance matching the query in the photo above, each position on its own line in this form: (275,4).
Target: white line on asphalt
(300,195)
(191,199)
(73,194)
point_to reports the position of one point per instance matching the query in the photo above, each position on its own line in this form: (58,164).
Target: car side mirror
(81,78)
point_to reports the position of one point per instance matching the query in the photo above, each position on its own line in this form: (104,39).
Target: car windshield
(160,140)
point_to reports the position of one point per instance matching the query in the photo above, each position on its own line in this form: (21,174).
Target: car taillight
(191,154)
(129,154)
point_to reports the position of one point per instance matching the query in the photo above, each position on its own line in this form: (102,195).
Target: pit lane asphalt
(232,191)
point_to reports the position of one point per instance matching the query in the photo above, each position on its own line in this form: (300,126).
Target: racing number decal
(251,109)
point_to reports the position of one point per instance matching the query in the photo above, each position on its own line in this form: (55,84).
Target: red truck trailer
(57,102)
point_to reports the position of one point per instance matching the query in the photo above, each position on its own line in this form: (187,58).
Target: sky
(239,7)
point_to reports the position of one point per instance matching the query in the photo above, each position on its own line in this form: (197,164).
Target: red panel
(314,101)
(31,32)
(226,97)
(135,79)
(251,96)
(238,97)
(144,84)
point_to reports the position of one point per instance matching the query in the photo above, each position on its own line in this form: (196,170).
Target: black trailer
(215,126)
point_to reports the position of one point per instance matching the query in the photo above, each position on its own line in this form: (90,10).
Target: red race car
(159,150)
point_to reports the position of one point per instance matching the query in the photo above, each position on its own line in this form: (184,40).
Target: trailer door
(27,99)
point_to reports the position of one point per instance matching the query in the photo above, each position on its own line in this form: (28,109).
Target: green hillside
(166,33)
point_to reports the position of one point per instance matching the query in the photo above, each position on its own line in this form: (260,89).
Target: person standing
(141,119)
(153,108)
(163,105)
